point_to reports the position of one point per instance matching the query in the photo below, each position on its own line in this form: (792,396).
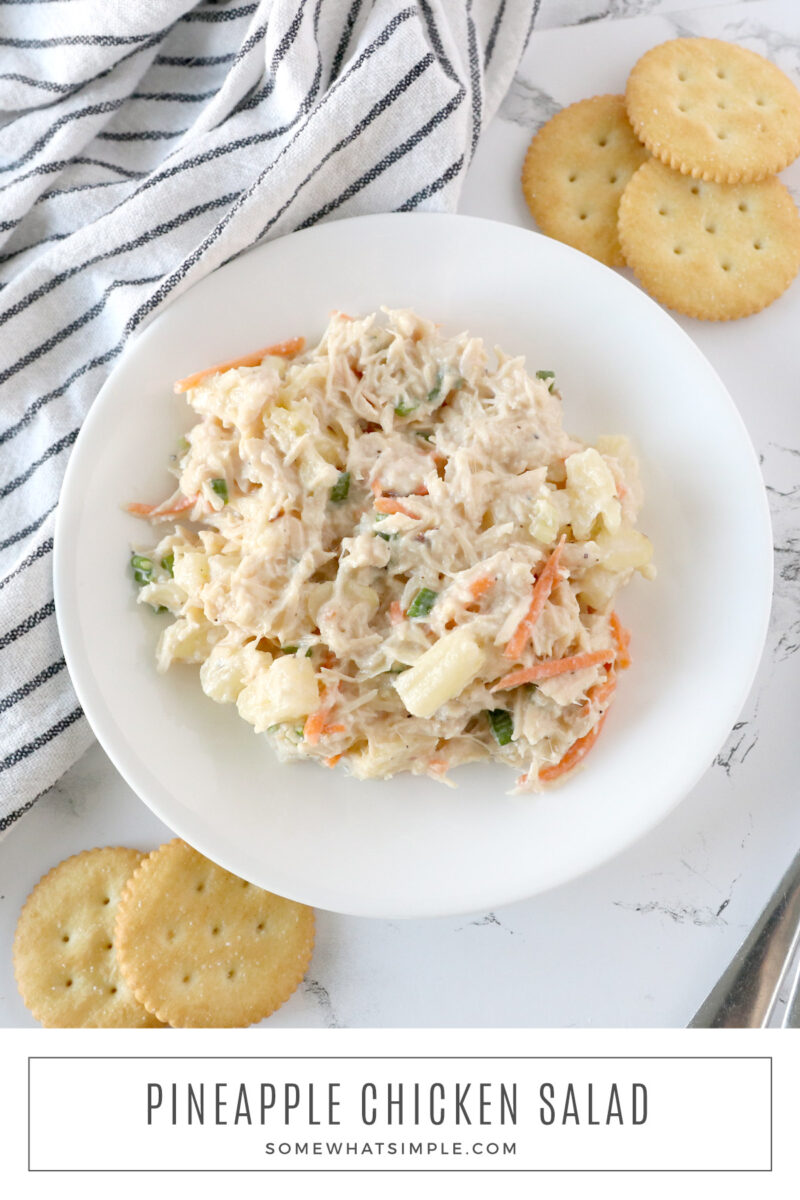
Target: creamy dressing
(355,507)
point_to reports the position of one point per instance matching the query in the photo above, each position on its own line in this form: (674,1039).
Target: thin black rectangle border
(403,1170)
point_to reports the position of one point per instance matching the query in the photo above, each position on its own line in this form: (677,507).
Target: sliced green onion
(502,725)
(142,569)
(168,564)
(551,375)
(220,488)
(398,669)
(387,537)
(161,608)
(425,434)
(435,392)
(340,489)
(272,728)
(439,392)
(422,603)
(183,444)
(289,649)
(405,407)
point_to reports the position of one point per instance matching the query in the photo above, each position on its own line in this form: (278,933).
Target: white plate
(410,847)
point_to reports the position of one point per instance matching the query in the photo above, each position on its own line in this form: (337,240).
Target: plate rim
(65,615)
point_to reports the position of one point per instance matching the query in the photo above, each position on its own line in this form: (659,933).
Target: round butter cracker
(201,947)
(64,959)
(575,170)
(714,110)
(710,250)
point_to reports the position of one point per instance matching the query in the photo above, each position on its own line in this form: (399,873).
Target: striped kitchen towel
(142,144)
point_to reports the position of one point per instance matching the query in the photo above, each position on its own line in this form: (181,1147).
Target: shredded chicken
(373,534)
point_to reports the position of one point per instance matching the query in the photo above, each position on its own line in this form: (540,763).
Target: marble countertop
(640,941)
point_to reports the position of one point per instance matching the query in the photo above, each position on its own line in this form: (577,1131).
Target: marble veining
(670,912)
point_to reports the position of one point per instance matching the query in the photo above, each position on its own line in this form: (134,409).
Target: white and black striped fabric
(142,144)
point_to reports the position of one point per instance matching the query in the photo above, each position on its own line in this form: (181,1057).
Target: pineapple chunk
(598,588)
(625,550)
(189,639)
(593,493)
(191,570)
(441,674)
(550,512)
(228,669)
(286,691)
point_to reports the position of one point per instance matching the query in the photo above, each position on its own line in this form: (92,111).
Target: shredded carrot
(332,761)
(384,504)
(622,641)
(439,766)
(149,510)
(599,695)
(315,723)
(576,753)
(480,586)
(396,614)
(622,491)
(376,488)
(421,490)
(541,591)
(280,349)
(550,667)
(317,726)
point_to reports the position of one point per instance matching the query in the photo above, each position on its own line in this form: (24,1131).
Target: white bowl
(409,846)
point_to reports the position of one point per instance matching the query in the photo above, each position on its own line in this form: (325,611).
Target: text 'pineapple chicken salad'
(394,556)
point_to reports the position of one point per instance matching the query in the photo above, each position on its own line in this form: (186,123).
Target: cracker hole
(721,104)
(201,887)
(572,177)
(186,978)
(711,229)
(68,983)
(215,930)
(726,266)
(112,991)
(682,76)
(109,945)
(65,938)
(721,134)
(743,207)
(107,900)
(760,102)
(245,883)
(602,141)
(721,74)
(677,250)
(757,245)
(682,108)
(231,974)
(662,212)
(695,190)
(170,934)
(583,216)
(260,926)
(613,178)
